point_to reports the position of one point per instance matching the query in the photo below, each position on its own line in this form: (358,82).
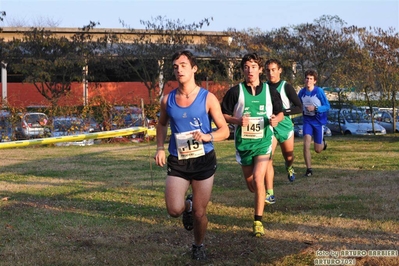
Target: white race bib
(255,128)
(187,147)
(307,102)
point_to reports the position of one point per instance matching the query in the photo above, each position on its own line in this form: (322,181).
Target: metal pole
(161,76)
(4,83)
(143,117)
(85,85)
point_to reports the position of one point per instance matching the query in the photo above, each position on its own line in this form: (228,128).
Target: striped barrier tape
(152,132)
(72,138)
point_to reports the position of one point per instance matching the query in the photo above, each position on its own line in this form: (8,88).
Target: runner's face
(183,70)
(309,81)
(273,73)
(252,71)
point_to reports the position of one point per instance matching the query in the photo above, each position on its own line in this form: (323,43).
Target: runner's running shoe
(198,253)
(258,229)
(309,172)
(188,220)
(270,199)
(291,173)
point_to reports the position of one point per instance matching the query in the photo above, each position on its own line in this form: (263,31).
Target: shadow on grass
(60,230)
(107,208)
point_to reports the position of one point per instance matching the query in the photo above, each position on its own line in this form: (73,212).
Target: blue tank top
(193,117)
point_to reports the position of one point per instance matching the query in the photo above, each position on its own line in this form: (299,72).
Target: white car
(352,122)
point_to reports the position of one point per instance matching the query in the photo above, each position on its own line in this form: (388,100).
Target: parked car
(366,109)
(355,122)
(31,125)
(385,119)
(6,130)
(69,125)
(298,127)
(92,123)
(124,117)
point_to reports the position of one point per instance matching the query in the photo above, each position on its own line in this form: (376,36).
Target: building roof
(8,33)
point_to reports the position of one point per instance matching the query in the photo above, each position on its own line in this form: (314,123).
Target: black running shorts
(199,168)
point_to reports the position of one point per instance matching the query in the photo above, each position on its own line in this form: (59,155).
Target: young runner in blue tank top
(192,159)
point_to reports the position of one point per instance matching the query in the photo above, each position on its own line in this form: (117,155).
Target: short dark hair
(311,72)
(273,61)
(252,56)
(188,54)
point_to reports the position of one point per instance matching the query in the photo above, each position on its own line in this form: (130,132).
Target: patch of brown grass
(104,205)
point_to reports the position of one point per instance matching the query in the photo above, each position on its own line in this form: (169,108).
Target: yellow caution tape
(80,137)
(152,132)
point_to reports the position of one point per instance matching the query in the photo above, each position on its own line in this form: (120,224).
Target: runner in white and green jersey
(284,132)
(254,110)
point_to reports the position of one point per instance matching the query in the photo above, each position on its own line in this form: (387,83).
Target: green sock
(270,192)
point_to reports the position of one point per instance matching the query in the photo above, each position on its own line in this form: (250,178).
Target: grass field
(104,205)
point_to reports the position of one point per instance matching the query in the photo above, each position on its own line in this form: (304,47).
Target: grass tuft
(104,205)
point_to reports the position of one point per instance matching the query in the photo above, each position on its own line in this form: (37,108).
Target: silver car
(352,122)
(31,125)
(385,119)
(68,126)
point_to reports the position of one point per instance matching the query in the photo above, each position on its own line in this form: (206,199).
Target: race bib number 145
(254,129)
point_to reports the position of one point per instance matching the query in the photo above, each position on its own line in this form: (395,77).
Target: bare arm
(222,132)
(275,119)
(162,129)
(240,121)
(215,111)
